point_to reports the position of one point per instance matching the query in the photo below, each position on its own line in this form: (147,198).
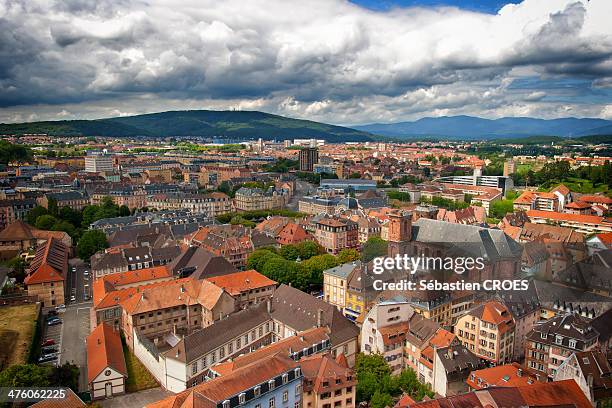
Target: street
(75,329)
(78,282)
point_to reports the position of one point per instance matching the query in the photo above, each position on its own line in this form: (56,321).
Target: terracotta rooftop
(71,401)
(565,394)
(104,350)
(49,264)
(553,215)
(507,375)
(238,282)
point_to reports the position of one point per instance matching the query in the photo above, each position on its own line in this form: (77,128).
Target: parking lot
(53,333)
(79,283)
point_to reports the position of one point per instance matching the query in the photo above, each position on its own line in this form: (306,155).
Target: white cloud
(323,59)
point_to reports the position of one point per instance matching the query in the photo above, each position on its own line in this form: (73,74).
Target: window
(559,339)
(271,402)
(572,343)
(285,378)
(298,389)
(194,368)
(226,404)
(285,396)
(297,404)
(271,384)
(241,397)
(257,391)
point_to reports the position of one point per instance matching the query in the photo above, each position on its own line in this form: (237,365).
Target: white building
(106,370)
(98,163)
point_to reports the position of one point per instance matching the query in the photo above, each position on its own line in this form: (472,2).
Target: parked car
(54,321)
(72,298)
(47,358)
(51,313)
(48,350)
(48,342)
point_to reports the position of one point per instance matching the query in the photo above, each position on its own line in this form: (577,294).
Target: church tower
(400,233)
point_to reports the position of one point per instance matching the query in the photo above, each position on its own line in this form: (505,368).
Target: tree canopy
(91,242)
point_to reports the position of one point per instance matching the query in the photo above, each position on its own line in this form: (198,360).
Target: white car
(72,298)
(60,308)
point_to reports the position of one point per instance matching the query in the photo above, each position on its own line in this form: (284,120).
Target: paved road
(135,399)
(79,283)
(74,333)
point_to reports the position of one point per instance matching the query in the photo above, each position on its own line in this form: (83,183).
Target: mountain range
(470,127)
(202,123)
(253,124)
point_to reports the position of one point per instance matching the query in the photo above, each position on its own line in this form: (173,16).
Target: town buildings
(256,199)
(488,331)
(308,157)
(335,234)
(106,369)
(98,163)
(550,343)
(592,371)
(47,273)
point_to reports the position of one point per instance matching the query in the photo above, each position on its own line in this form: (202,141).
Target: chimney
(269,305)
(319,317)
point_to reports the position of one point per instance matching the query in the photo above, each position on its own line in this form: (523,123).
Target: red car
(48,342)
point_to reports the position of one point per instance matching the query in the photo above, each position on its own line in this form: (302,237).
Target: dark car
(48,342)
(48,350)
(47,358)
(54,321)
(51,313)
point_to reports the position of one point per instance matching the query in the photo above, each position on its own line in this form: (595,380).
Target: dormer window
(242,398)
(271,384)
(543,335)
(285,378)
(297,372)
(226,404)
(572,343)
(559,340)
(257,391)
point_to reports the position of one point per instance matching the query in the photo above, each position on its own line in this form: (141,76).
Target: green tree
(308,249)
(258,258)
(71,215)
(52,206)
(91,242)
(17,265)
(14,153)
(45,222)
(124,211)
(381,400)
(316,265)
(347,255)
(34,213)
(499,208)
(290,252)
(25,375)
(373,248)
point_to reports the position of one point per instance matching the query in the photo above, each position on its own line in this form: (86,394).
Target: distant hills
(253,124)
(203,123)
(470,127)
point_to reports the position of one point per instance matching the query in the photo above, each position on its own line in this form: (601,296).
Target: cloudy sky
(329,60)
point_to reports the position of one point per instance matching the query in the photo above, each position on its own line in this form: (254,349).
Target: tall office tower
(309,156)
(98,163)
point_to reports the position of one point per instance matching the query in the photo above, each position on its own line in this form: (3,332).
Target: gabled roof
(507,375)
(104,350)
(210,393)
(238,282)
(49,264)
(71,401)
(17,231)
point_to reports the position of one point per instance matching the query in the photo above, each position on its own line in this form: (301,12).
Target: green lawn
(17,327)
(139,378)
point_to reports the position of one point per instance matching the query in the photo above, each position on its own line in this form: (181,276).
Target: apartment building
(275,381)
(488,331)
(537,200)
(335,283)
(318,205)
(247,287)
(180,307)
(47,273)
(592,371)
(586,224)
(234,242)
(452,366)
(98,163)
(328,382)
(76,200)
(335,234)
(256,199)
(384,331)
(14,210)
(211,204)
(550,343)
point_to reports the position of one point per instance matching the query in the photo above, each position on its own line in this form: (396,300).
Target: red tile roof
(585,219)
(599,199)
(508,375)
(71,401)
(50,263)
(238,282)
(104,350)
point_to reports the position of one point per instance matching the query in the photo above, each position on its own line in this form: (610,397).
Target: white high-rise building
(98,163)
